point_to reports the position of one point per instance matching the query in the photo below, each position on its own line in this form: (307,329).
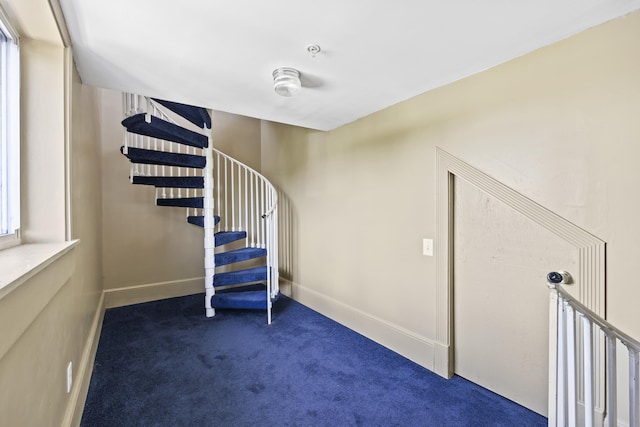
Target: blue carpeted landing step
(170,181)
(182,202)
(255,274)
(238,255)
(199,220)
(238,300)
(196,115)
(224,237)
(243,297)
(162,129)
(153,157)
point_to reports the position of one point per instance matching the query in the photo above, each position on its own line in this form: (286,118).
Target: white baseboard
(128,295)
(404,342)
(75,406)
(442,360)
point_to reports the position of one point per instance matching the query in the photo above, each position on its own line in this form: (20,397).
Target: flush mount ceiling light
(286,81)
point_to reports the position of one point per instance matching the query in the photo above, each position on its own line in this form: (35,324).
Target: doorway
(500,300)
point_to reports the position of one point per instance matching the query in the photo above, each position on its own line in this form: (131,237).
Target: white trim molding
(80,390)
(414,347)
(589,290)
(135,294)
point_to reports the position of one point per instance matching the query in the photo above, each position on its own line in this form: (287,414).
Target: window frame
(9,134)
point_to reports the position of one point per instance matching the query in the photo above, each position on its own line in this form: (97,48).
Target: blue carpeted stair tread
(244,288)
(224,237)
(196,115)
(199,220)
(240,300)
(238,255)
(162,129)
(182,202)
(170,181)
(154,157)
(255,274)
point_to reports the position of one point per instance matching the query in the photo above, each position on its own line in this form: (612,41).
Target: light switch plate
(427,247)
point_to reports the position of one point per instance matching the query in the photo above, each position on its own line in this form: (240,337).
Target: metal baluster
(240,198)
(218,184)
(572,401)
(634,392)
(171,168)
(611,381)
(164,173)
(262,212)
(233,198)
(253,214)
(246,204)
(226,196)
(587,350)
(561,354)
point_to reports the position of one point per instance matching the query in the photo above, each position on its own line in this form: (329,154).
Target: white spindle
(233,199)
(240,199)
(218,184)
(253,214)
(572,400)
(587,352)
(634,389)
(226,195)
(262,212)
(561,354)
(246,204)
(611,383)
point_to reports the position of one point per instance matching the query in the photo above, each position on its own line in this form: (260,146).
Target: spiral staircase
(236,206)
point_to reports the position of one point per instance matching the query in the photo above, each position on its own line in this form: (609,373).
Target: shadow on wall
(287,237)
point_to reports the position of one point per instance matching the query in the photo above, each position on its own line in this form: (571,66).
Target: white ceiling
(220,54)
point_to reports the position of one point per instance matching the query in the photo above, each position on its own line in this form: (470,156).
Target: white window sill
(19,263)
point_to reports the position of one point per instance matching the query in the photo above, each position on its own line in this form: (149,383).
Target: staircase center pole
(209,224)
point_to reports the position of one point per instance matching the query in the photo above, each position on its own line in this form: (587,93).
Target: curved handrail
(259,175)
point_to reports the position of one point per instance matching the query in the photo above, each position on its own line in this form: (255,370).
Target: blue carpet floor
(164,364)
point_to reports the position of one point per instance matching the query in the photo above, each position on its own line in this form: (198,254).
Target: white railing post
(634,385)
(559,395)
(611,381)
(572,400)
(587,352)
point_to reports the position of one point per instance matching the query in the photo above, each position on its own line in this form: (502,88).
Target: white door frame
(590,290)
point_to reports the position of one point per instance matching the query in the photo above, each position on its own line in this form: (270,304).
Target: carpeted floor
(164,364)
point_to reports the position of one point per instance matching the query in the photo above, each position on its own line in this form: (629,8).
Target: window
(9,135)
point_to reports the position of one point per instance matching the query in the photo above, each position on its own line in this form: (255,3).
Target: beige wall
(42,159)
(151,252)
(559,125)
(58,309)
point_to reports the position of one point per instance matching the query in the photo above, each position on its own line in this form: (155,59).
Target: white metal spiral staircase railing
(248,202)
(228,198)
